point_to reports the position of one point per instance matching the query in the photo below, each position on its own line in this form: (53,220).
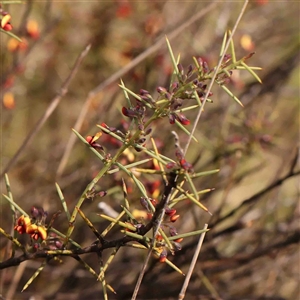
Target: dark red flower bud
(36,246)
(148,131)
(97,146)
(161,90)
(148,99)
(125,112)
(170,165)
(200,61)
(186,165)
(170,211)
(172,118)
(227,58)
(205,67)
(34,212)
(58,244)
(179,154)
(174,86)
(177,246)
(180,69)
(141,141)
(144,92)
(153,201)
(176,103)
(189,71)
(163,256)
(173,231)
(183,120)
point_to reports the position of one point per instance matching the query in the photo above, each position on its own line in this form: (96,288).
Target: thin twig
(15,281)
(214,76)
(255,197)
(52,106)
(192,266)
(155,47)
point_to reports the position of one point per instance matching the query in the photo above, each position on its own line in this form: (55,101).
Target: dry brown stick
(52,106)
(15,281)
(192,266)
(156,46)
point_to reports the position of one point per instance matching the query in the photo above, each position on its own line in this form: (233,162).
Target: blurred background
(252,249)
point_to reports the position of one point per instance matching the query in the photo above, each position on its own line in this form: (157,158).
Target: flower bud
(144,92)
(172,118)
(148,131)
(177,246)
(173,231)
(178,240)
(170,211)
(161,90)
(183,120)
(189,71)
(180,69)
(163,256)
(174,218)
(153,201)
(170,165)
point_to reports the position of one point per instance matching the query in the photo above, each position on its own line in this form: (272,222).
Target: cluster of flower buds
(171,212)
(137,112)
(191,80)
(175,243)
(145,205)
(179,117)
(147,99)
(93,193)
(34,225)
(54,241)
(175,103)
(182,163)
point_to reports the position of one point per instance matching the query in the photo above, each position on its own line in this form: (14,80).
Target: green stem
(103,171)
